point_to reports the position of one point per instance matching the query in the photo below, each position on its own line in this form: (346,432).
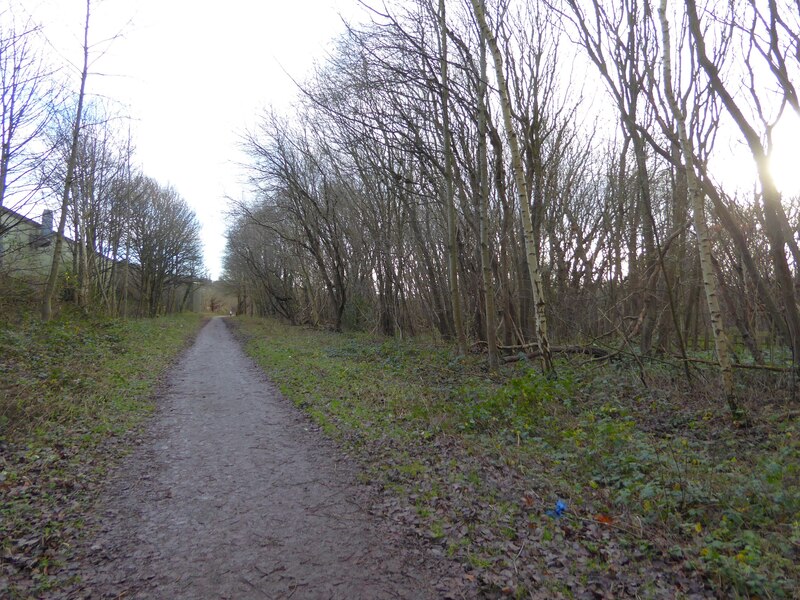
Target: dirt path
(234,495)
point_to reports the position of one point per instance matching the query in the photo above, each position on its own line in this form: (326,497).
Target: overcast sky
(194,74)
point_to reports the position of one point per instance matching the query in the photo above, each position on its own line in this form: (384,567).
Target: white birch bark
(522,190)
(697,201)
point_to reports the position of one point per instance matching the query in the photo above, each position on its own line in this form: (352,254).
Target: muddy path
(233,494)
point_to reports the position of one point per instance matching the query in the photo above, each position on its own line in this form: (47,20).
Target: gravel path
(234,494)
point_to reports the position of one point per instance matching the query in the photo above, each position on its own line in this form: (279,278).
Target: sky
(193,75)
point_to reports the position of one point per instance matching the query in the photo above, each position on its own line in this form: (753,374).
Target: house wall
(26,249)
(26,252)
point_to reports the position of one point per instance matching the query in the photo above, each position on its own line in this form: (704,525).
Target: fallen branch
(714,363)
(593,351)
(602,354)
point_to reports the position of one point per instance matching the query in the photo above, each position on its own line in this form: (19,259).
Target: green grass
(68,389)
(77,368)
(664,465)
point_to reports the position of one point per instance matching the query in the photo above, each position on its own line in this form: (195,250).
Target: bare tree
(483,209)
(291,169)
(26,91)
(166,250)
(452,226)
(760,150)
(697,198)
(522,190)
(25,85)
(50,286)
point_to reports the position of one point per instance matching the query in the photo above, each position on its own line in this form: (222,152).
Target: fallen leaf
(604,519)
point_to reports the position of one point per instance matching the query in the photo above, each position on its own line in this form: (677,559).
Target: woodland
(587,384)
(504,253)
(442,174)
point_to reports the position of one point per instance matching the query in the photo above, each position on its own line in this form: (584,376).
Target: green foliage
(522,406)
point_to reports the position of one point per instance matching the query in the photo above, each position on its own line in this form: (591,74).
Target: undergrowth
(69,389)
(661,470)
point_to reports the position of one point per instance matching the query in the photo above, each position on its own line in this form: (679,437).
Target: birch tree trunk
(126,225)
(522,191)
(696,199)
(82,248)
(771,197)
(50,287)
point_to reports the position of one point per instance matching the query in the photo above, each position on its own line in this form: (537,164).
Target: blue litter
(558,511)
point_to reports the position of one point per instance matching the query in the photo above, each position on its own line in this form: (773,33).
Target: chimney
(47,222)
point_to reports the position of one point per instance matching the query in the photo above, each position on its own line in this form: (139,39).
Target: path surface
(234,495)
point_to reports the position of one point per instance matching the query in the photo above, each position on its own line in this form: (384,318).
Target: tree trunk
(452,221)
(522,192)
(50,287)
(696,198)
(770,195)
(483,216)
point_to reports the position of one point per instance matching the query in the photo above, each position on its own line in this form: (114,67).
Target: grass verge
(70,391)
(660,495)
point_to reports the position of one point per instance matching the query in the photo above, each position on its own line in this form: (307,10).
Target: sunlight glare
(785,159)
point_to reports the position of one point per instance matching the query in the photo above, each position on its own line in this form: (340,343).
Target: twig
(516,558)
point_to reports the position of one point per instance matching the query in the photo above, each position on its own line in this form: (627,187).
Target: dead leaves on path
(43,492)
